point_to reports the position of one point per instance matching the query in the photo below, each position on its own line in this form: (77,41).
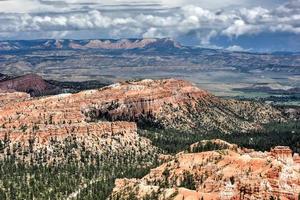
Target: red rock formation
(282,152)
(156,102)
(171,103)
(226,174)
(33,123)
(296,158)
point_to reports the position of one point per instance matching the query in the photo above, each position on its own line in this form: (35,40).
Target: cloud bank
(161,18)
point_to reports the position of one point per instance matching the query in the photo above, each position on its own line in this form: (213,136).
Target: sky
(237,25)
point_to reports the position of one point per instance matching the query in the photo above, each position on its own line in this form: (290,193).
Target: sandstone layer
(165,103)
(178,104)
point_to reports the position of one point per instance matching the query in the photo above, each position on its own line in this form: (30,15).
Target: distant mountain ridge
(111,44)
(115,60)
(88,44)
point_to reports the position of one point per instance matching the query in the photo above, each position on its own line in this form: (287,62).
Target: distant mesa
(107,44)
(126,44)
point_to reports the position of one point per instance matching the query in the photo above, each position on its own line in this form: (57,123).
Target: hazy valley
(222,72)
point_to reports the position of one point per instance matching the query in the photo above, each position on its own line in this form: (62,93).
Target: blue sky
(250,25)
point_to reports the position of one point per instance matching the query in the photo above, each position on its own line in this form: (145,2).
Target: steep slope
(36,124)
(177,104)
(162,103)
(228,173)
(71,161)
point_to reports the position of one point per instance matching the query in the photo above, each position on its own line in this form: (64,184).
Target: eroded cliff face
(232,173)
(165,103)
(49,144)
(51,130)
(177,104)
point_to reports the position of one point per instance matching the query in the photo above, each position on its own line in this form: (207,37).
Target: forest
(270,135)
(93,176)
(65,174)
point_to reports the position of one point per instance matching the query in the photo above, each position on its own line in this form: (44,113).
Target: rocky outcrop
(178,104)
(223,174)
(296,158)
(283,153)
(32,124)
(165,103)
(53,131)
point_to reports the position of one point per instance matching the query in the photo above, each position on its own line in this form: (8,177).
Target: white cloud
(236,48)
(26,6)
(256,14)
(152,33)
(286,28)
(17,6)
(58,34)
(206,37)
(239,27)
(159,21)
(206,22)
